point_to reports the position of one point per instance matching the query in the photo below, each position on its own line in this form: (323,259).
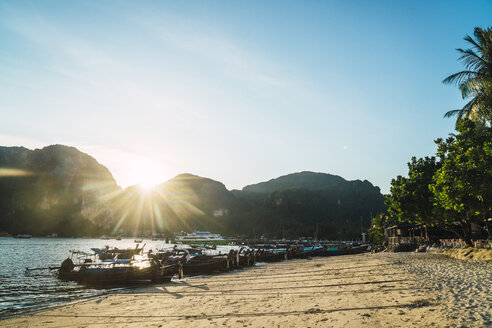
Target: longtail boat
(270,255)
(115,271)
(108,253)
(195,263)
(343,250)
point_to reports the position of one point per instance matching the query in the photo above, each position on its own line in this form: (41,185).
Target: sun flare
(145,173)
(148,185)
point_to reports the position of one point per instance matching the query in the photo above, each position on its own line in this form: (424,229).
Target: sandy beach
(367,290)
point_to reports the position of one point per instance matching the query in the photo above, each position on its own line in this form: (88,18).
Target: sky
(236,91)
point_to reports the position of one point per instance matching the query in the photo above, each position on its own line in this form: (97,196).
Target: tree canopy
(463,185)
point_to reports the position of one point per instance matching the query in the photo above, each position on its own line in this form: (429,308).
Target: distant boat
(4,234)
(138,240)
(118,237)
(200,236)
(23,236)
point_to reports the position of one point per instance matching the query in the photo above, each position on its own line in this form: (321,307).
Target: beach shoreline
(350,291)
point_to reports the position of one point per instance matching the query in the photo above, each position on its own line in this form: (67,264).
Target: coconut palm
(475,81)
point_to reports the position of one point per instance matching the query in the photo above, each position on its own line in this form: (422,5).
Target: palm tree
(475,81)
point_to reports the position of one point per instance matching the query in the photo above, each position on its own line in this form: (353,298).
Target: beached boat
(270,255)
(343,250)
(194,262)
(108,253)
(205,265)
(244,257)
(117,271)
(301,252)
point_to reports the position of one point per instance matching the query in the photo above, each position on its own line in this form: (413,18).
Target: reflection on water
(20,291)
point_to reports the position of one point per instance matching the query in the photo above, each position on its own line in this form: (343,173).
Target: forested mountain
(306,203)
(306,180)
(55,189)
(60,189)
(186,202)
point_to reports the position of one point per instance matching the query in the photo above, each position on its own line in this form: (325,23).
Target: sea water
(21,291)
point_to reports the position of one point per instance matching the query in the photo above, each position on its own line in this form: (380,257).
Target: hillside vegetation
(60,189)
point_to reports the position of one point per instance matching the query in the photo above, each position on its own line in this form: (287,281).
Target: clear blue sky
(238,91)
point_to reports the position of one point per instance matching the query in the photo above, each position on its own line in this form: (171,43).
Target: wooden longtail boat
(115,270)
(270,255)
(195,263)
(302,252)
(206,266)
(343,250)
(108,253)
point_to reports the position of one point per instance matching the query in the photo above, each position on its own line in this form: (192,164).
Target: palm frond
(471,108)
(459,77)
(475,82)
(473,42)
(471,60)
(470,88)
(452,113)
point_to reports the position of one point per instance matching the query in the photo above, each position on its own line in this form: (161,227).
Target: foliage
(378,224)
(410,199)
(59,191)
(307,208)
(455,189)
(70,194)
(475,81)
(463,185)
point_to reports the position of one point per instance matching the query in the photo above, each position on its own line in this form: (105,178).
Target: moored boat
(269,255)
(118,272)
(343,250)
(115,271)
(194,262)
(23,236)
(107,252)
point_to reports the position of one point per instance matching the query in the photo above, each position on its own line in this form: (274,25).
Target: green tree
(410,199)
(475,81)
(463,185)
(378,224)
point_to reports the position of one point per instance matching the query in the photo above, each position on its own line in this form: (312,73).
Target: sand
(367,290)
(469,253)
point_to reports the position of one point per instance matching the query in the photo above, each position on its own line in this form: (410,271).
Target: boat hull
(121,275)
(270,257)
(193,268)
(347,251)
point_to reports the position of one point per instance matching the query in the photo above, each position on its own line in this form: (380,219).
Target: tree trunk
(466,226)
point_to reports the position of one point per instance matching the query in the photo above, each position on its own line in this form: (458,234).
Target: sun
(145,173)
(148,185)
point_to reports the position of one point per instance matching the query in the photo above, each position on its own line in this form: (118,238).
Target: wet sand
(367,290)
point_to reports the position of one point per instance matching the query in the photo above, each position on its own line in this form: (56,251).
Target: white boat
(200,236)
(23,236)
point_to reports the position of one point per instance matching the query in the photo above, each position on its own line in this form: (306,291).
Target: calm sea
(20,291)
